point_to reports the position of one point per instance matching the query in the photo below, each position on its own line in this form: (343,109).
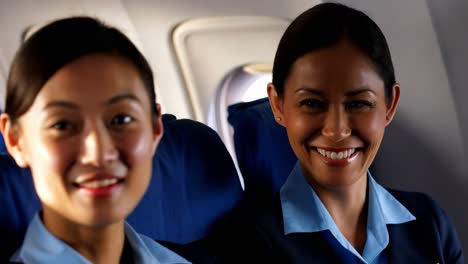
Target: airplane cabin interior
(212,60)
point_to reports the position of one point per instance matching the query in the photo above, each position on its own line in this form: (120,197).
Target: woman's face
(89,139)
(335,113)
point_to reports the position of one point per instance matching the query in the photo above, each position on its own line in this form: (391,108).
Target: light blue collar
(304,212)
(40,246)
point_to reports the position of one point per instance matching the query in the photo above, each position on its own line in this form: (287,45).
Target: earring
(20,161)
(278,118)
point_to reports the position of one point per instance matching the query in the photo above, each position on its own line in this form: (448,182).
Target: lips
(334,155)
(98,185)
(337,157)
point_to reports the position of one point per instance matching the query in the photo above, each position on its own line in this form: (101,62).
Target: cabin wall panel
(450,18)
(147,22)
(16,16)
(155,20)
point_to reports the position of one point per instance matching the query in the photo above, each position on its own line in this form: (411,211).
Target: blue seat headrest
(194,188)
(263,152)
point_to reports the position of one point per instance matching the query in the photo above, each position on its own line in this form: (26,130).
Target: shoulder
(422,206)
(263,228)
(301,247)
(159,252)
(432,219)
(236,241)
(419,204)
(268,214)
(146,250)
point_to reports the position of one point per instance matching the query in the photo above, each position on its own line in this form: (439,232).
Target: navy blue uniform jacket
(431,238)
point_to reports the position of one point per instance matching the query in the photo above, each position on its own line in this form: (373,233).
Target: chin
(100,217)
(335,178)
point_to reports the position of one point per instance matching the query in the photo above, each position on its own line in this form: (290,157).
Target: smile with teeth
(99,183)
(336,155)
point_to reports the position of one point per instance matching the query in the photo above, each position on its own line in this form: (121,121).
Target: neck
(98,244)
(348,208)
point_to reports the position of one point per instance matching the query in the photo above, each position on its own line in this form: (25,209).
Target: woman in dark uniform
(334,90)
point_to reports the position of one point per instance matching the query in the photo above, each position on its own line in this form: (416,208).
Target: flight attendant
(81,113)
(334,90)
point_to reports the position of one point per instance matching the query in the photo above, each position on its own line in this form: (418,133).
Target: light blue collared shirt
(40,246)
(304,212)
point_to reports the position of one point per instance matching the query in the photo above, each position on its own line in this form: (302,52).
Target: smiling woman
(81,113)
(334,91)
(335,109)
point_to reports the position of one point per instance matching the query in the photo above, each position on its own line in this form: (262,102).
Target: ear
(14,141)
(276,104)
(392,106)
(158,129)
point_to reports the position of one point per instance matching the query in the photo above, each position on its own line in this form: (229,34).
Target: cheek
(302,127)
(51,156)
(137,146)
(371,127)
(139,159)
(49,167)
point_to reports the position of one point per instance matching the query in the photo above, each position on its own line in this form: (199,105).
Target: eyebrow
(113,100)
(310,90)
(321,93)
(360,91)
(123,97)
(61,104)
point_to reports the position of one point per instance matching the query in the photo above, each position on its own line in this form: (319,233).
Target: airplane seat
(18,203)
(2,145)
(263,152)
(194,190)
(194,186)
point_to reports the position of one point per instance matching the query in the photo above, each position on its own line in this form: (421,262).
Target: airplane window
(210,48)
(243,84)
(257,89)
(215,56)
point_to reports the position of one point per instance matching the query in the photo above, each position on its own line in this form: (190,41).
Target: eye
(121,119)
(313,104)
(359,104)
(62,125)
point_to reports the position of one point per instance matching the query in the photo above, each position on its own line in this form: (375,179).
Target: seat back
(2,145)
(263,152)
(18,203)
(193,191)
(194,185)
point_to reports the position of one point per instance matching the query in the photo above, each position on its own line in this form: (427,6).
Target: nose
(98,146)
(336,125)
